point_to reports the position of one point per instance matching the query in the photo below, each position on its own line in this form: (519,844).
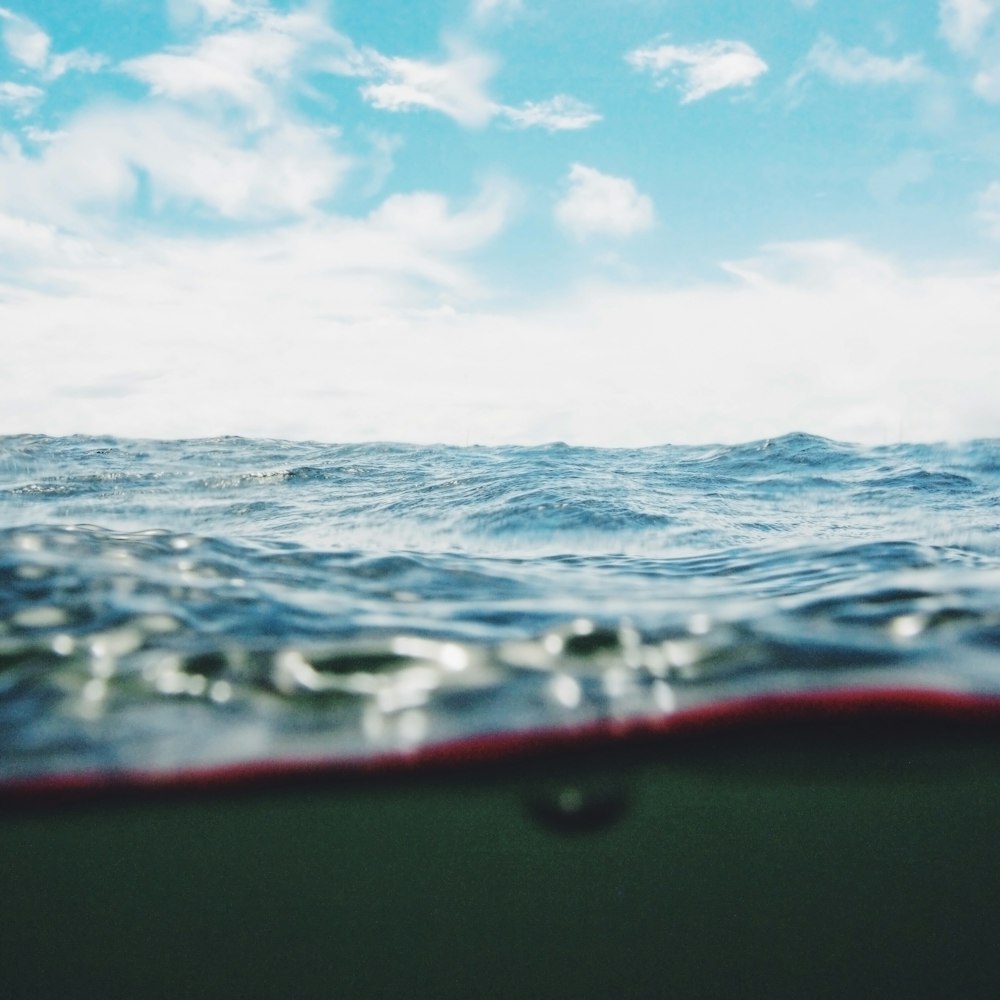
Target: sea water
(167,605)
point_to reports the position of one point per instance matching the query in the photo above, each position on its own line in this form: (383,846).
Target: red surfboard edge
(494,748)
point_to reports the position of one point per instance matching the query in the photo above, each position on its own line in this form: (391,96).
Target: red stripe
(497,747)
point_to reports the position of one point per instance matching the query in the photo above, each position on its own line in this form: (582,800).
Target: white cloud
(30,46)
(455,87)
(911,167)
(988,210)
(859,66)
(559,113)
(26,246)
(458,88)
(963,22)
(333,331)
(986,83)
(259,52)
(485,9)
(187,12)
(39,135)
(972,28)
(702,69)
(22,97)
(244,64)
(25,41)
(77,59)
(298,311)
(90,170)
(812,265)
(361,267)
(597,204)
(381,160)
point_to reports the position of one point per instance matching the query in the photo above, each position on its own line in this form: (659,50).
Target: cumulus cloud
(92,168)
(964,22)
(378,327)
(118,161)
(597,204)
(699,70)
(557,114)
(854,66)
(151,313)
(409,244)
(427,220)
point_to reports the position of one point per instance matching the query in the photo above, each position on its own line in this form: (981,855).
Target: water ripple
(173,604)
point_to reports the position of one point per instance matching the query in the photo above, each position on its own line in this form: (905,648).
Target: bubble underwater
(176,605)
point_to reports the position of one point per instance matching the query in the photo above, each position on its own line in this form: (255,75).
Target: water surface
(166,605)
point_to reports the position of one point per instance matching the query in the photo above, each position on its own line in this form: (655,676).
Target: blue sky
(501,220)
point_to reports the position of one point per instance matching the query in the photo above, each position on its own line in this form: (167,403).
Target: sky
(501,221)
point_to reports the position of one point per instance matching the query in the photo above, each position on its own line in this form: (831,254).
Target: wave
(172,604)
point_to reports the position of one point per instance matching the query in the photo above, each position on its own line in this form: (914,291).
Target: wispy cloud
(30,46)
(249,63)
(22,97)
(699,70)
(184,12)
(598,204)
(255,52)
(557,114)
(911,167)
(486,9)
(459,88)
(858,66)
(988,210)
(455,87)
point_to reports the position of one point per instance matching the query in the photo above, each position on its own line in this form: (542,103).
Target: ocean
(180,606)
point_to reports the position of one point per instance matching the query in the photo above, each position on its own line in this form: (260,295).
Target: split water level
(169,605)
